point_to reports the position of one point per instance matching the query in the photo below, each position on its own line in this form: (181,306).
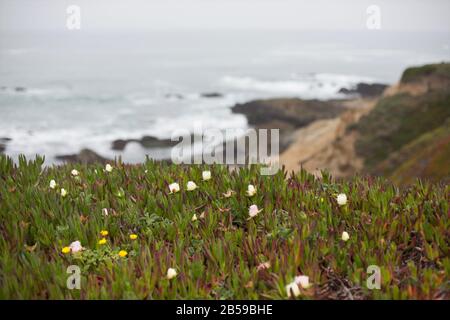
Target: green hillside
(401,123)
(425,158)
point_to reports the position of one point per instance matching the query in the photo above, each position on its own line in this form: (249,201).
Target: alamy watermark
(230,146)
(374,279)
(73,21)
(373,21)
(74,280)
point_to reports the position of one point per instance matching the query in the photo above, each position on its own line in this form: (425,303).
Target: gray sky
(237,14)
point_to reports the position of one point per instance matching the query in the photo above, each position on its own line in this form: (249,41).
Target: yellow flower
(102,241)
(133,236)
(122,253)
(65,250)
(104,233)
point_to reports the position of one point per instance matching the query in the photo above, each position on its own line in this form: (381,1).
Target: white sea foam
(309,86)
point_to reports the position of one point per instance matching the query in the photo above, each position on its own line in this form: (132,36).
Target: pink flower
(253,211)
(302,281)
(75,246)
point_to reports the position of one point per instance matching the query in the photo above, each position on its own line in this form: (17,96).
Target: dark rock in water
(20,89)
(365,90)
(3,142)
(346,91)
(152,142)
(147,142)
(287,113)
(212,95)
(174,95)
(120,144)
(86,156)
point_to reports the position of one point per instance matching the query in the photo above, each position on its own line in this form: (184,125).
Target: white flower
(292,288)
(52,184)
(302,281)
(253,211)
(75,172)
(63,192)
(251,190)
(171,273)
(75,246)
(194,217)
(174,187)
(345,236)
(341,199)
(206,175)
(108,168)
(191,186)
(105,212)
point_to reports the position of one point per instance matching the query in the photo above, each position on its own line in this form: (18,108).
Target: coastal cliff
(402,134)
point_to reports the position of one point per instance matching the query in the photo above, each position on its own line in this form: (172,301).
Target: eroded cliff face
(329,144)
(402,135)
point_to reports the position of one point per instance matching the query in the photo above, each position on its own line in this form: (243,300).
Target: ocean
(62,92)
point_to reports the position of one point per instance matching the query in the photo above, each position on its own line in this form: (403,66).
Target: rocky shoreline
(85,156)
(286,114)
(147,142)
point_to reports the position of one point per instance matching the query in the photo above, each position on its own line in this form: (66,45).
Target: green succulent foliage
(218,256)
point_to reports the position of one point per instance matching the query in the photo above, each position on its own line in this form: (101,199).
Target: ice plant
(123,253)
(75,172)
(52,184)
(104,233)
(108,168)
(76,247)
(133,236)
(292,288)
(65,250)
(63,192)
(191,186)
(102,241)
(206,175)
(174,187)
(251,190)
(253,211)
(171,273)
(341,199)
(345,236)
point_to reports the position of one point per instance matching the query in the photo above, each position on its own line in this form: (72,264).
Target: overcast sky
(237,14)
